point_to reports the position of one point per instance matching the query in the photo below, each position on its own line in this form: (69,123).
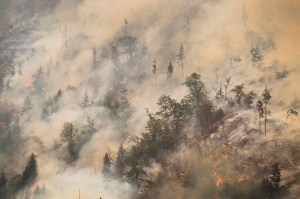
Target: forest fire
(210,129)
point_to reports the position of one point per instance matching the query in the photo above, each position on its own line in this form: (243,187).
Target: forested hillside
(151,100)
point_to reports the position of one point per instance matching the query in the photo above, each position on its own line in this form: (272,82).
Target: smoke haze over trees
(149,99)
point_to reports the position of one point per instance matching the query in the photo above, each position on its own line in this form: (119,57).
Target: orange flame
(219,180)
(27,84)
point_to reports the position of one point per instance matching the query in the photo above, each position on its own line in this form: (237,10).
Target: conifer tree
(37,191)
(260,109)
(154,70)
(89,127)
(68,135)
(27,104)
(58,95)
(170,71)
(181,56)
(266,100)
(239,93)
(30,172)
(120,161)
(95,65)
(85,101)
(257,57)
(39,83)
(7,86)
(248,98)
(106,172)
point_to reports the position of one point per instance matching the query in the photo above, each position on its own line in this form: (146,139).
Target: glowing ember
(27,84)
(225,156)
(219,180)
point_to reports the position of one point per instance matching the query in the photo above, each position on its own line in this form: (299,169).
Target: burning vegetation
(75,83)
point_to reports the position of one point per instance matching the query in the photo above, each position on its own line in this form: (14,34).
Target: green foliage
(85,103)
(266,96)
(256,55)
(154,67)
(181,54)
(30,172)
(239,93)
(96,62)
(200,106)
(172,112)
(52,105)
(89,128)
(197,89)
(220,94)
(128,46)
(68,135)
(114,55)
(137,174)
(15,183)
(120,162)
(281,74)
(170,71)
(106,172)
(39,82)
(119,106)
(218,115)
(260,109)
(248,98)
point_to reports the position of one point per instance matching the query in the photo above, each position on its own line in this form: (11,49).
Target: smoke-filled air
(194,99)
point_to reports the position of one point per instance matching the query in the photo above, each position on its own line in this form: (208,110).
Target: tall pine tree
(266,100)
(120,162)
(68,135)
(260,109)
(170,71)
(181,56)
(30,172)
(39,83)
(106,172)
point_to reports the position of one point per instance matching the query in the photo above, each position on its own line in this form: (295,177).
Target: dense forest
(150,100)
